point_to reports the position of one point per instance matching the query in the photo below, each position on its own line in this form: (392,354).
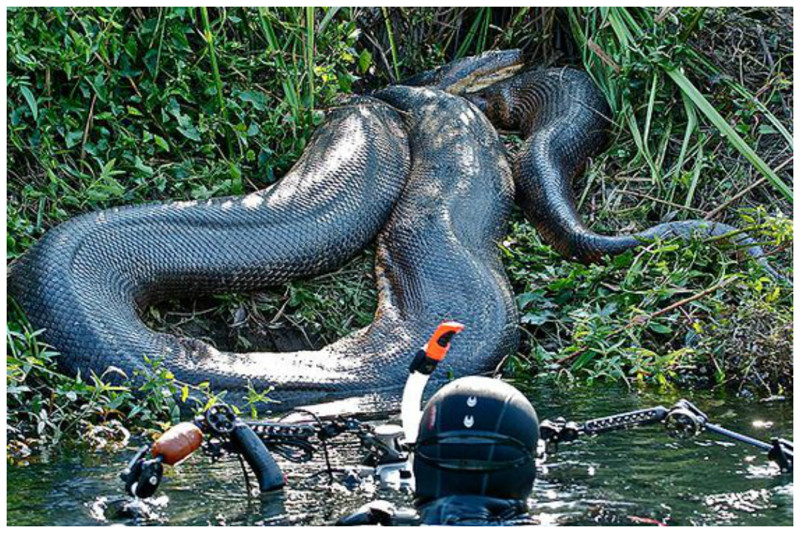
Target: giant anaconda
(419,168)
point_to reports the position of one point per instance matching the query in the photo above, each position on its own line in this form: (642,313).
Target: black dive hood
(477,436)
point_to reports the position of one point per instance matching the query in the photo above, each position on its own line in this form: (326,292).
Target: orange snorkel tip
(439,343)
(436,349)
(422,366)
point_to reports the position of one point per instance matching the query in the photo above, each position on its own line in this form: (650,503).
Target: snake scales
(415,167)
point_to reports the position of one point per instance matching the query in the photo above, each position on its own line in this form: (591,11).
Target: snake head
(496,102)
(470,74)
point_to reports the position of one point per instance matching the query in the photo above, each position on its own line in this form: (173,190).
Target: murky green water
(628,478)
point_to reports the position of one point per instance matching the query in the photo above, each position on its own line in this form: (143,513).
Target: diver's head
(470,74)
(477,436)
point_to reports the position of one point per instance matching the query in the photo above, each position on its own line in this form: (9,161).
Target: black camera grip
(262,463)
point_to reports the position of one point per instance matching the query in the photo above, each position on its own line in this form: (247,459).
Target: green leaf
(537,319)
(190,132)
(236,178)
(140,166)
(26,92)
(660,328)
(161,142)
(210,403)
(73,138)
(364,61)
(256,98)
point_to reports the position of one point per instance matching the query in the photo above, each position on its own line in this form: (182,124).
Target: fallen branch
(643,319)
(744,191)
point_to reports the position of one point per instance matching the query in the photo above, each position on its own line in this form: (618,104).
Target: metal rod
(738,436)
(630,419)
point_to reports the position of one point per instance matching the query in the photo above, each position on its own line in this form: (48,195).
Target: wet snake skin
(565,119)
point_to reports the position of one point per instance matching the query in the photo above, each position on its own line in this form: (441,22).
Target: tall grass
(208,34)
(309,47)
(392,45)
(612,36)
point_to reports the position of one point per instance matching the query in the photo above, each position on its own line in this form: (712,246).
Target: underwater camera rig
(219,432)
(387,449)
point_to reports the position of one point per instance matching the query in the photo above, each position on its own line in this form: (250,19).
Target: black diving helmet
(477,436)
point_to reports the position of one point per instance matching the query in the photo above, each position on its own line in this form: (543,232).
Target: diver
(474,460)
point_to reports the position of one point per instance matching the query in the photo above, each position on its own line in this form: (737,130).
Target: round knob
(682,424)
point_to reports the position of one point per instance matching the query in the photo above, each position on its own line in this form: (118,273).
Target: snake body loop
(87,280)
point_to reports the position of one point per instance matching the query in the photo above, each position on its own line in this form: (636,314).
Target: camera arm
(683,420)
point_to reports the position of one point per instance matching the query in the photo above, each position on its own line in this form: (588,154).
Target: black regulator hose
(255,452)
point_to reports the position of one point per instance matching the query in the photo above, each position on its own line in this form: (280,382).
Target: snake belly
(86,282)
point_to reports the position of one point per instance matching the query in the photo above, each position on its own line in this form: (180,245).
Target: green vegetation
(112,106)
(44,406)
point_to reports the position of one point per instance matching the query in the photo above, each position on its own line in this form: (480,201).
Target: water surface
(639,476)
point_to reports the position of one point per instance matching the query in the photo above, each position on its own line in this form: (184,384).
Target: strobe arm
(686,420)
(683,420)
(779,451)
(560,430)
(642,417)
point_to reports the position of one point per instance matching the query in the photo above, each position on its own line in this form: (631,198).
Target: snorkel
(419,372)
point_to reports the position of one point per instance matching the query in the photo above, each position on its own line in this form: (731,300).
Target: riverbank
(113,106)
